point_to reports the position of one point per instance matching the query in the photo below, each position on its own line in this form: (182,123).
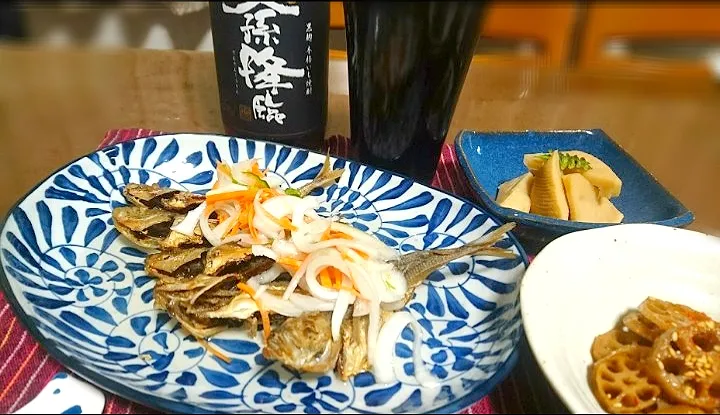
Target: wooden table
(56,105)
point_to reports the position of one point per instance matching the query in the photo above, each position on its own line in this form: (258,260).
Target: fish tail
(324,177)
(481,244)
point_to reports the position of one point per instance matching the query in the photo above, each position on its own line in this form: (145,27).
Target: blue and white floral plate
(80,287)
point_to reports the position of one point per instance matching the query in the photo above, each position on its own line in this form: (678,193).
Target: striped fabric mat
(25,368)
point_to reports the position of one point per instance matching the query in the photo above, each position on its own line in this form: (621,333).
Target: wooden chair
(609,21)
(550,25)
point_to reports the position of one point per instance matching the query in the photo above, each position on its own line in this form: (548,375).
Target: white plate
(581,283)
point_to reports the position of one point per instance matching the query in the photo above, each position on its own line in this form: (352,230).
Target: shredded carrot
(263,313)
(325,279)
(289,261)
(268,193)
(250,217)
(243,195)
(265,316)
(240,223)
(217,353)
(255,169)
(336,276)
(246,288)
(333,234)
(361,254)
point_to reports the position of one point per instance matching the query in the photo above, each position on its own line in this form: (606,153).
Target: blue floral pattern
(82,290)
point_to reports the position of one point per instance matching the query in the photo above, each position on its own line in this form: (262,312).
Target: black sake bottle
(271,61)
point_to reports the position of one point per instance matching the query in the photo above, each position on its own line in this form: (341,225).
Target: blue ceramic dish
(81,288)
(491,158)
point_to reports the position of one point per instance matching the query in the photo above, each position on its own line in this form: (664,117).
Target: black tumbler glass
(407,63)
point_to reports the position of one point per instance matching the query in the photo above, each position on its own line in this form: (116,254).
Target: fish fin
(324,178)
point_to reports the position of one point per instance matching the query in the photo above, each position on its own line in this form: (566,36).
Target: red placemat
(25,368)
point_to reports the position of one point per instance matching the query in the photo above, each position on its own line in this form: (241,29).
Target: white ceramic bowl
(581,283)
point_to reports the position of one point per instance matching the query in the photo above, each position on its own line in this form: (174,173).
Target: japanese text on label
(258,65)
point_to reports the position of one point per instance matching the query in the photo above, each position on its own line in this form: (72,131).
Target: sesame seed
(689,374)
(661,365)
(717,348)
(625,329)
(674,336)
(701,374)
(609,396)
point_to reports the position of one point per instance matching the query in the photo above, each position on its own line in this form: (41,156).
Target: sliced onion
(223,180)
(224,226)
(297,277)
(344,299)
(395,286)
(281,206)
(268,276)
(207,232)
(284,248)
(383,365)
(361,281)
(383,251)
(242,167)
(262,250)
(279,306)
(188,224)
(306,235)
(324,259)
(260,290)
(335,243)
(366,279)
(361,308)
(311,304)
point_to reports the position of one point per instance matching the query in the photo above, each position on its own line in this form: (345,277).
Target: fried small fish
(143,226)
(325,177)
(176,240)
(177,263)
(151,228)
(418,265)
(304,343)
(199,327)
(217,261)
(154,196)
(233,258)
(353,357)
